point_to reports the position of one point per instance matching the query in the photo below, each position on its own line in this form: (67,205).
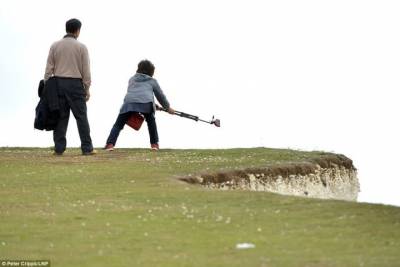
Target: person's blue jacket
(141,90)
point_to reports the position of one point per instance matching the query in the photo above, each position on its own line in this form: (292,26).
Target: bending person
(140,99)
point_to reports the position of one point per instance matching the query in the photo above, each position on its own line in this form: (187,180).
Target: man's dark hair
(73,25)
(146,67)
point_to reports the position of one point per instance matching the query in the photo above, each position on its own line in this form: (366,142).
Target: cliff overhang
(331,176)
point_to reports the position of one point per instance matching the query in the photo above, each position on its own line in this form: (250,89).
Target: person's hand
(171,111)
(87,97)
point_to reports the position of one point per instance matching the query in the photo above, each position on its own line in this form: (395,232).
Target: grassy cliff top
(127,208)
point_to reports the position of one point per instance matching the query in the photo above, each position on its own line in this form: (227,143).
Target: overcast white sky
(311,75)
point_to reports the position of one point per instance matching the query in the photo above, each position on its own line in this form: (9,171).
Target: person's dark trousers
(72,96)
(121,121)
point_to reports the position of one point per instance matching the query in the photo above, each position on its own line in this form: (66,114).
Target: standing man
(68,62)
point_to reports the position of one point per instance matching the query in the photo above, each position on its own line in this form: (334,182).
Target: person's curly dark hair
(146,67)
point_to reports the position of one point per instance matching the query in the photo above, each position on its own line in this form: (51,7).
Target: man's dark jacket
(48,109)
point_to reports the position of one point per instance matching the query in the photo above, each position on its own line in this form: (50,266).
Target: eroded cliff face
(328,179)
(334,183)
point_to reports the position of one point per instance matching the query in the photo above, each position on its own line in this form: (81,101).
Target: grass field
(127,208)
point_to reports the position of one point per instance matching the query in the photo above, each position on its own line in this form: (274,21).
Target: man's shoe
(57,153)
(90,153)
(109,147)
(155,147)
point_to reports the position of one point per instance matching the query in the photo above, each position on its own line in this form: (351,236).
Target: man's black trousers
(72,96)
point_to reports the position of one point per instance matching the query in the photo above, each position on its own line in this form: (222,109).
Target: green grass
(127,208)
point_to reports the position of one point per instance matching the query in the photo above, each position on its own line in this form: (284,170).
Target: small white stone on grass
(245,245)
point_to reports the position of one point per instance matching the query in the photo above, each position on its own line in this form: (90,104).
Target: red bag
(135,121)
